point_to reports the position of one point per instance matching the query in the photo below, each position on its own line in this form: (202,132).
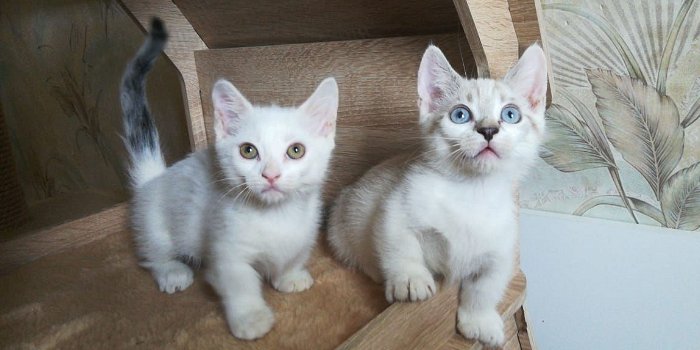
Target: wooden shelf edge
(429,324)
(28,248)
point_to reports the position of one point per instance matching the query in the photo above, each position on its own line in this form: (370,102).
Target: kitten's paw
(414,285)
(252,324)
(172,276)
(295,281)
(486,326)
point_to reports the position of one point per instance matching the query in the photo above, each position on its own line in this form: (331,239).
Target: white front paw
(295,281)
(252,324)
(173,276)
(485,326)
(414,285)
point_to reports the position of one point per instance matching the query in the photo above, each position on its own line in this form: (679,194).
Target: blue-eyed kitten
(450,210)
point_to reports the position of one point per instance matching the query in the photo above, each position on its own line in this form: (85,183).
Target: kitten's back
(356,209)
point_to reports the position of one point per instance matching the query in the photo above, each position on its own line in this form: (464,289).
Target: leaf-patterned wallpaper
(624,135)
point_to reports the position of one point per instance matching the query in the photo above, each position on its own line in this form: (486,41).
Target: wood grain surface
(431,324)
(236,23)
(54,240)
(489,29)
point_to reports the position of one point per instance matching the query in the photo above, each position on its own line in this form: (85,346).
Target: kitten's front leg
(239,286)
(477,316)
(405,273)
(295,280)
(294,277)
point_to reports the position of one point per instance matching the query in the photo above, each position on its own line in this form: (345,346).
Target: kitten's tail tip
(157,30)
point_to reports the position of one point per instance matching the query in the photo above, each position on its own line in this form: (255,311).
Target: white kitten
(249,206)
(451,210)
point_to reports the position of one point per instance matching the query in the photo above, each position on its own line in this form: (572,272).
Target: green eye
(248,151)
(296,151)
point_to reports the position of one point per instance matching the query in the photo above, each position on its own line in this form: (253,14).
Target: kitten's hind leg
(159,255)
(405,272)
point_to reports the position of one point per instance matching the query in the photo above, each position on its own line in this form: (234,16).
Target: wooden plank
(76,233)
(429,324)
(378,113)
(491,35)
(183,41)
(376,78)
(527,342)
(237,23)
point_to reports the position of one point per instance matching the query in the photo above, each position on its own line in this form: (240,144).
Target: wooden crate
(373,48)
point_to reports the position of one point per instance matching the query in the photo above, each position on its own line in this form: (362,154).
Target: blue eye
(460,115)
(510,114)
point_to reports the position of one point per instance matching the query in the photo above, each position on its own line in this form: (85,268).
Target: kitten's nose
(271,176)
(487,132)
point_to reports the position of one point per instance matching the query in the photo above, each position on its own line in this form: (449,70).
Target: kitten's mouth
(271,188)
(487,152)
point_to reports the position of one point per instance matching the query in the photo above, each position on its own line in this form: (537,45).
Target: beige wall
(60,67)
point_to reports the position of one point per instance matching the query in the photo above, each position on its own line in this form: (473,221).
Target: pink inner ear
(322,117)
(435,93)
(434,75)
(529,76)
(221,122)
(327,128)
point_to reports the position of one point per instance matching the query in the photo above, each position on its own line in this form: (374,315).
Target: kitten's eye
(510,114)
(460,115)
(248,151)
(296,151)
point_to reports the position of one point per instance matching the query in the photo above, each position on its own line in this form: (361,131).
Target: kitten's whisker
(231,190)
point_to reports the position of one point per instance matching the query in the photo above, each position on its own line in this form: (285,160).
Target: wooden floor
(74,261)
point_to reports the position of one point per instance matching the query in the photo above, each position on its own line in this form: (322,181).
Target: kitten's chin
(484,162)
(271,196)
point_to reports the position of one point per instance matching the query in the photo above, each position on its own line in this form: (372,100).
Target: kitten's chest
(288,227)
(477,214)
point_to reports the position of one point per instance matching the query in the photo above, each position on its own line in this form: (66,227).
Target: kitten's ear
(229,107)
(322,107)
(436,80)
(529,77)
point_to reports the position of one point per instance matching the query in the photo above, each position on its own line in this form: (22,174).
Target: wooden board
(53,240)
(489,28)
(431,324)
(235,23)
(377,80)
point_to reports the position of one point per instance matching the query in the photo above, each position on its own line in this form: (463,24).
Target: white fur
(216,206)
(146,167)
(449,211)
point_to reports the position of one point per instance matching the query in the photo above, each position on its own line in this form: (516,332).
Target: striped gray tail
(140,129)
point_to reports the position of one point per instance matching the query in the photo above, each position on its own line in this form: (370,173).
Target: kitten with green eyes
(249,206)
(451,210)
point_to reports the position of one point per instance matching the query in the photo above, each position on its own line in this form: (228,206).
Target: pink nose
(271,177)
